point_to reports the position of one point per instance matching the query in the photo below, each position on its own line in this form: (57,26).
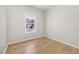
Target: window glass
(30,24)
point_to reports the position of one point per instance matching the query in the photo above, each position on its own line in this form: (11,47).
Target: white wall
(62,23)
(16,23)
(3,28)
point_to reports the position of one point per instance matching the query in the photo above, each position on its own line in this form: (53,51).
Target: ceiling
(42,7)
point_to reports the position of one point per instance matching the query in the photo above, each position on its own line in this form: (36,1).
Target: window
(30,24)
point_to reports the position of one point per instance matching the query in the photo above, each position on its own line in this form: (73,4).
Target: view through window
(30,24)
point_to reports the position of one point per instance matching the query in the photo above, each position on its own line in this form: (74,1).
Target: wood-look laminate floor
(41,46)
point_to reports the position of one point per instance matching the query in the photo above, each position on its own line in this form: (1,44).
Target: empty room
(39,29)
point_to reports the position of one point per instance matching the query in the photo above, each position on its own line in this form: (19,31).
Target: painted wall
(62,23)
(16,22)
(3,28)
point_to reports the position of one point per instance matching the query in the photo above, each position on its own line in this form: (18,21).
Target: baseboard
(25,39)
(62,42)
(5,49)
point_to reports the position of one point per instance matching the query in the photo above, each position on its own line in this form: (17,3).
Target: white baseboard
(4,52)
(62,42)
(26,39)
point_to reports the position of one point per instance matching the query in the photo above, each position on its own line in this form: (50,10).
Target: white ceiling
(42,7)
